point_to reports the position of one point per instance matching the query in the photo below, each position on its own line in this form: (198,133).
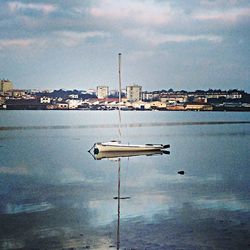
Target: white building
(150,96)
(45,99)
(234,95)
(114,92)
(90,91)
(74,103)
(102,92)
(72,96)
(5,85)
(173,98)
(134,93)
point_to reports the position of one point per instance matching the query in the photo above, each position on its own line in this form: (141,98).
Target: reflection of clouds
(230,203)
(74,175)
(14,171)
(146,204)
(27,208)
(188,227)
(69,174)
(154,178)
(105,211)
(12,243)
(56,237)
(127,125)
(51,229)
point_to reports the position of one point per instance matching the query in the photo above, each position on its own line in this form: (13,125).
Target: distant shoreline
(218,109)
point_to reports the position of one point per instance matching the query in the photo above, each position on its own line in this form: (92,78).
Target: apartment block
(102,92)
(134,93)
(5,85)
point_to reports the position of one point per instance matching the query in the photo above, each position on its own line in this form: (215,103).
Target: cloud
(72,39)
(24,44)
(52,30)
(15,42)
(66,38)
(155,38)
(139,12)
(231,15)
(221,4)
(19,6)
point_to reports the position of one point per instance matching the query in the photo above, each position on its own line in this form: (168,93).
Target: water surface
(54,195)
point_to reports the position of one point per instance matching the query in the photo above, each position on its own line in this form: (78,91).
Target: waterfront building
(216,95)
(134,93)
(150,96)
(24,104)
(234,95)
(91,91)
(16,93)
(74,103)
(141,105)
(102,92)
(198,107)
(114,93)
(62,105)
(5,85)
(2,100)
(45,99)
(176,107)
(200,99)
(158,105)
(173,98)
(73,96)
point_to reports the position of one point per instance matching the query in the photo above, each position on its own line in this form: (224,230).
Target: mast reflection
(116,156)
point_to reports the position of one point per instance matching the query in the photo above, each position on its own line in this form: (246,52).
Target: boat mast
(120,91)
(120,81)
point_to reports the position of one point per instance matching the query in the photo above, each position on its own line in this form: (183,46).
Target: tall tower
(102,92)
(134,93)
(5,85)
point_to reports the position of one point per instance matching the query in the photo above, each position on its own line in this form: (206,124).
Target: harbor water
(55,195)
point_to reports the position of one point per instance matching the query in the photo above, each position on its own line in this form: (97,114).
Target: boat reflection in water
(116,156)
(113,155)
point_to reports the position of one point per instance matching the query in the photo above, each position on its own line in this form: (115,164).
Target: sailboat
(127,154)
(117,157)
(118,146)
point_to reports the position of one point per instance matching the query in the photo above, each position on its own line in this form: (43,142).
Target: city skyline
(165,44)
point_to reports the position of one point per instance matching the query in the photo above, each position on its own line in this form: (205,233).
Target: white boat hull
(115,155)
(119,147)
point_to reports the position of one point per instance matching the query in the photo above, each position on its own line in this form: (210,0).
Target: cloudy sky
(179,44)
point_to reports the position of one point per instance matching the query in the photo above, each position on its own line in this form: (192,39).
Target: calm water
(54,195)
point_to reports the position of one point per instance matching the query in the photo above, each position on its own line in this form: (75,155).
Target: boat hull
(115,155)
(106,147)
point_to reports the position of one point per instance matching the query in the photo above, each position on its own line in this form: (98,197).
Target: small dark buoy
(181,172)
